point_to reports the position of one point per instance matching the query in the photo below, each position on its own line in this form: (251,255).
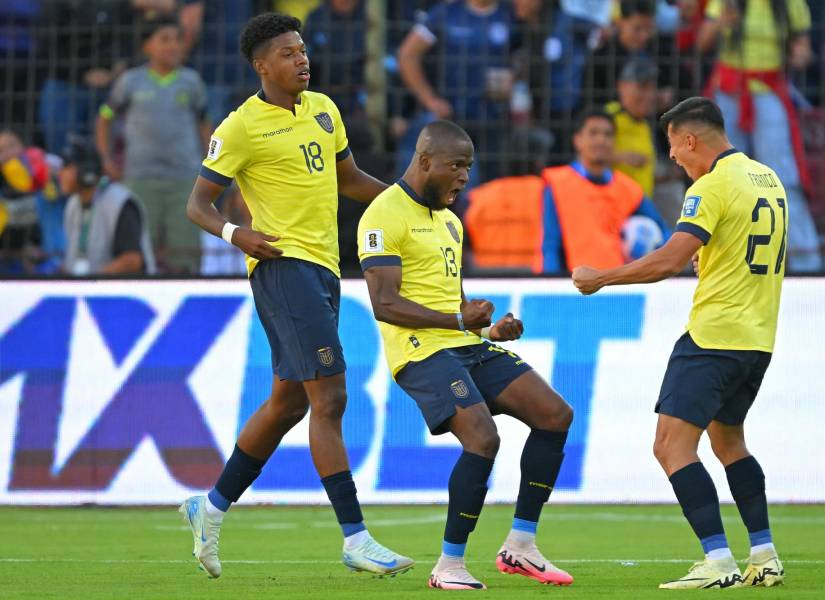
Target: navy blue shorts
(703,385)
(459,377)
(298,304)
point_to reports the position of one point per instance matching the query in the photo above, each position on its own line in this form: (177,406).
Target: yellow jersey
(739,210)
(399,229)
(285,166)
(763,44)
(634,135)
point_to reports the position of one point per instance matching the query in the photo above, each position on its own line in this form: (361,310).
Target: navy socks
(700,504)
(238,474)
(468,488)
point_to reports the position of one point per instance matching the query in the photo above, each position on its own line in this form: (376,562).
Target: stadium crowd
(106,108)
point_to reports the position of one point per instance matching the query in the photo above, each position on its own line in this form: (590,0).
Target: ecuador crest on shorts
(326,356)
(325,121)
(460,389)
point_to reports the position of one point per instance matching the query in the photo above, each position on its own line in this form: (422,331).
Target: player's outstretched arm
(200,208)
(389,306)
(665,262)
(354,183)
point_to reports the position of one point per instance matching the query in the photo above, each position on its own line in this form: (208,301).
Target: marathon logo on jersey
(414,341)
(453,232)
(374,240)
(460,389)
(215,145)
(325,121)
(691,206)
(326,356)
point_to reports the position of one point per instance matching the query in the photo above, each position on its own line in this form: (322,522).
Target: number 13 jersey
(285,165)
(398,229)
(740,212)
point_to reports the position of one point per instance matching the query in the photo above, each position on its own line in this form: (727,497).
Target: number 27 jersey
(397,229)
(739,210)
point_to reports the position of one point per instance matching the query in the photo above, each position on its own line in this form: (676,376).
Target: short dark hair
(638,7)
(149,27)
(592,113)
(697,109)
(260,29)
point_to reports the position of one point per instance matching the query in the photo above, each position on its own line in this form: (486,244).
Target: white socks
(356,539)
(719,554)
(448,562)
(520,538)
(215,513)
(769,547)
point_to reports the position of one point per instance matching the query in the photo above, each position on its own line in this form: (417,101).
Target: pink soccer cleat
(528,561)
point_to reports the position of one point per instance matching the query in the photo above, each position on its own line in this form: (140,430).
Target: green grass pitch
(292,552)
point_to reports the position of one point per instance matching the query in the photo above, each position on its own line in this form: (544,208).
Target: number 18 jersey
(397,229)
(285,165)
(740,211)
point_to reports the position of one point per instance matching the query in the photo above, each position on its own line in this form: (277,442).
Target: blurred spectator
(218,257)
(83,46)
(635,153)
(104,224)
(335,36)
(586,203)
(567,216)
(471,44)
(17,67)
(211,29)
(504,220)
(634,35)
(24,172)
(759,39)
(576,29)
(166,133)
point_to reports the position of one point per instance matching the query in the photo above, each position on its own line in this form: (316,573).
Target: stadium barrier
(133,393)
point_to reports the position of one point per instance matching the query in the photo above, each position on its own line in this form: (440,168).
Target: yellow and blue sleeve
(228,151)
(701,212)
(379,237)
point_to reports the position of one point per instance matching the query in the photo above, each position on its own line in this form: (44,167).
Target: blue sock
(700,504)
(541,461)
(344,498)
(747,486)
(467,488)
(453,550)
(240,471)
(525,526)
(218,501)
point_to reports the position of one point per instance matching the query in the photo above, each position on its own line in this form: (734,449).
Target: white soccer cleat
(205,532)
(722,573)
(372,557)
(764,569)
(528,561)
(453,577)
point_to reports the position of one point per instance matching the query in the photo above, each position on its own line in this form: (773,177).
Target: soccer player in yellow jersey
(410,250)
(734,224)
(287,149)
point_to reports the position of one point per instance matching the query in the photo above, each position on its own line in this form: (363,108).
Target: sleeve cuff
(695,230)
(215,177)
(380,261)
(343,154)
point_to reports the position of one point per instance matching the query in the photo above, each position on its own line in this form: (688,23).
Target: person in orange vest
(555,219)
(586,202)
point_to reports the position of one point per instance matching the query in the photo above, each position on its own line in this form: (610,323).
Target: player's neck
(712,154)
(277,97)
(593,169)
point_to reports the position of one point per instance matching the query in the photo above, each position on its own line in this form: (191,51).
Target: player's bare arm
(665,262)
(201,210)
(506,329)
(389,306)
(355,183)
